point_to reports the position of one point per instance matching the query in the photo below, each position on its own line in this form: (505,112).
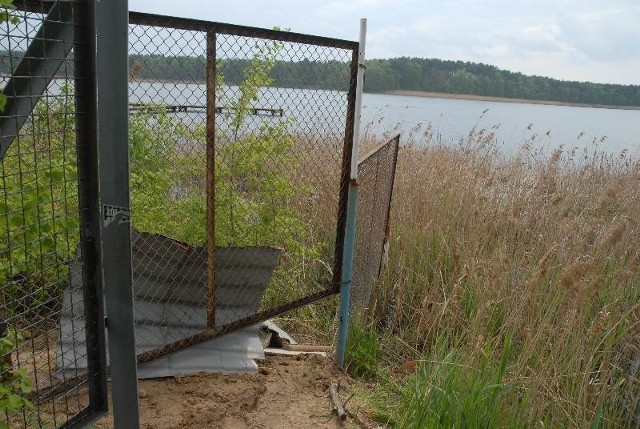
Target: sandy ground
(288,392)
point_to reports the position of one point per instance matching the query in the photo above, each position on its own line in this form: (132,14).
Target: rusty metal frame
(211,29)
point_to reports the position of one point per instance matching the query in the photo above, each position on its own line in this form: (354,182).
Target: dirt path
(289,392)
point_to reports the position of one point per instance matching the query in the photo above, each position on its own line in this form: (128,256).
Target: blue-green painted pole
(352,206)
(347,273)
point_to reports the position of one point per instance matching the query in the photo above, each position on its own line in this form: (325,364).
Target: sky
(584,40)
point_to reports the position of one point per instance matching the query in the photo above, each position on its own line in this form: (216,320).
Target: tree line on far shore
(409,74)
(385,75)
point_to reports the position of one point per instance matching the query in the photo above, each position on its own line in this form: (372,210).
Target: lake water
(545,127)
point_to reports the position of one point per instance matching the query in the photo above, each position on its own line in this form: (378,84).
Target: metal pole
(112,22)
(352,205)
(210,186)
(84,20)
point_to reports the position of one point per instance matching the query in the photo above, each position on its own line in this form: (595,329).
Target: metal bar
(89,203)
(211,154)
(350,228)
(46,53)
(113,139)
(345,173)
(387,226)
(237,30)
(81,420)
(375,149)
(35,6)
(247,321)
(141,18)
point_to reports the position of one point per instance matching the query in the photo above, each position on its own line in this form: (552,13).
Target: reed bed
(510,296)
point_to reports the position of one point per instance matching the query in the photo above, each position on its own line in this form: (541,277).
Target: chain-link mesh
(43,128)
(376,176)
(238,161)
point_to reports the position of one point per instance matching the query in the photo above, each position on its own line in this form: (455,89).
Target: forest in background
(409,74)
(386,75)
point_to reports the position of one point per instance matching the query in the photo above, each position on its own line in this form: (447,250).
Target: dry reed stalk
(547,254)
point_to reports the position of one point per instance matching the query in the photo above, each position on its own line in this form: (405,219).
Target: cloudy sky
(586,40)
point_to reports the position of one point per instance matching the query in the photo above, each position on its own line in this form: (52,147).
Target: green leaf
(47,244)
(55,174)
(26,385)
(16,220)
(598,418)
(14,401)
(71,223)
(72,174)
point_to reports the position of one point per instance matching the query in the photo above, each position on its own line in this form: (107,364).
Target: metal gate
(240,145)
(376,178)
(49,216)
(240,149)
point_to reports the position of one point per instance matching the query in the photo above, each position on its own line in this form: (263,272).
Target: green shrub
(15,383)
(39,208)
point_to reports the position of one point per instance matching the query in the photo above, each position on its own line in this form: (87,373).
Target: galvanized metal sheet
(170,304)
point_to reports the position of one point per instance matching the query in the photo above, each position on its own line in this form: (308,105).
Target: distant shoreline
(504,99)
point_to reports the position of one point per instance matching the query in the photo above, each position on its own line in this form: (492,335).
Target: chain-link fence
(376,177)
(46,258)
(240,142)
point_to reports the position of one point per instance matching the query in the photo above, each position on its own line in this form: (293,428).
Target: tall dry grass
(537,251)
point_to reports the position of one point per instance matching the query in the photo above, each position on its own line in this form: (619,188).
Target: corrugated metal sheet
(170,303)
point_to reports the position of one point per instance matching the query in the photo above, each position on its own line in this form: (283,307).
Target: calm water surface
(544,127)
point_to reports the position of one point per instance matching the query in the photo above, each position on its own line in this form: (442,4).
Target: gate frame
(210,30)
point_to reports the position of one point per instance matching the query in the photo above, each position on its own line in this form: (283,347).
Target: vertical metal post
(112,22)
(88,193)
(211,136)
(352,204)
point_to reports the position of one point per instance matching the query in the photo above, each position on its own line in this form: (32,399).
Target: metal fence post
(350,233)
(113,136)
(89,199)
(210,186)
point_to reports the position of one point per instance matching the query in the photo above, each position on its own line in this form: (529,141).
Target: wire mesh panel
(240,147)
(45,261)
(376,176)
